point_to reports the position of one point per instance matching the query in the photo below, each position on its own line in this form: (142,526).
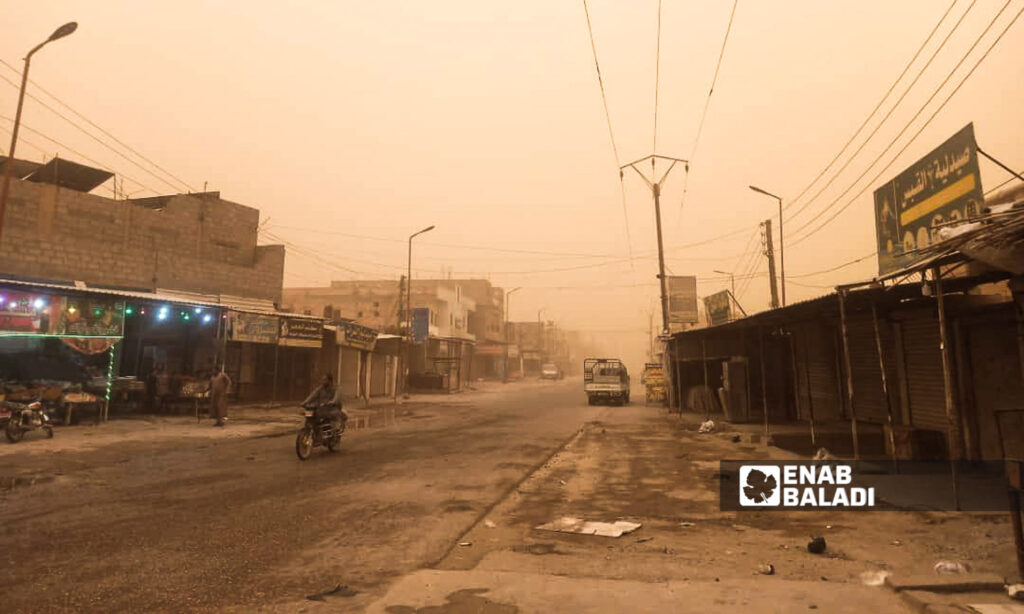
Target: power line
(657,75)
(611,134)
(835,268)
(918,133)
(714,80)
(89,134)
(884,98)
(98,127)
(77,153)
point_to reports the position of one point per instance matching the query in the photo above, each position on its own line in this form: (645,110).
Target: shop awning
(234,303)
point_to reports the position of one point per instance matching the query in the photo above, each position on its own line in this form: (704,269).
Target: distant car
(550,371)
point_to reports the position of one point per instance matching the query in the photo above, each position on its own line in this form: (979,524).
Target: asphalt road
(240,523)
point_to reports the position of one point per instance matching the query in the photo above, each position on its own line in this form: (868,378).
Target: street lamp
(782,248)
(408,282)
(507,340)
(408,304)
(732,279)
(60,32)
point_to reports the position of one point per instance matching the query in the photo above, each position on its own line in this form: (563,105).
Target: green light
(129,310)
(184,315)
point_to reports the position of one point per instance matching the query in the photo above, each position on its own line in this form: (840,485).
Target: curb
(505,494)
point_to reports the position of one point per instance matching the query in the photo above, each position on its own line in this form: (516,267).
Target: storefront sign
(252,328)
(718,307)
(944,186)
(356,336)
(27,313)
(490,349)
(301,332)
(420,324)
(90,317)
(682,299)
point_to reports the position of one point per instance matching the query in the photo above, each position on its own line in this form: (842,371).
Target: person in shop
(151,386)
(326,400)
(163,386)
(220,385)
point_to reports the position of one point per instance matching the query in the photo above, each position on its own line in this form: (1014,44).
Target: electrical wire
(885,97)
(77,153)
(918,133)
(611,134)
(98,127)
(714,80)
(89,134)
(889,114)
(657,75)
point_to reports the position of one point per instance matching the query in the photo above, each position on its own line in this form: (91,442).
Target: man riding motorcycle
(326,400)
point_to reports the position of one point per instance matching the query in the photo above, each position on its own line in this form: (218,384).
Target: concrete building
(444,356)
(185,242)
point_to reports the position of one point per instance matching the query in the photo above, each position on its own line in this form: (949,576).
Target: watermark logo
(759,485)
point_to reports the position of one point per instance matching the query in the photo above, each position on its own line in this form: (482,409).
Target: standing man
(220,385)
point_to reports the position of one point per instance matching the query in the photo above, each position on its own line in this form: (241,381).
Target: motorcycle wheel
(13,431)
(49,432)
(304,443)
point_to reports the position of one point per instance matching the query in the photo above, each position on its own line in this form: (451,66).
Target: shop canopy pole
(705,395)
(885,388)
(273,394)
(796,375)
(764,386)
(952,412)
(849,373)
(810,394)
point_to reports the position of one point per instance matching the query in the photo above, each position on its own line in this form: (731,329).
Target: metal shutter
(925,388)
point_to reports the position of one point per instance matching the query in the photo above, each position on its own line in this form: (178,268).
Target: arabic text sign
(718,307)
(300,332)
(682,299)
(943,186)
(252,328)
(357,336)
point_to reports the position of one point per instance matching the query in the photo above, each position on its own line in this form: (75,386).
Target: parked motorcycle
(317,431)
(24,418)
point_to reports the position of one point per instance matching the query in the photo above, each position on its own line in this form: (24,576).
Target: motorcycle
(23,418)
(317,431)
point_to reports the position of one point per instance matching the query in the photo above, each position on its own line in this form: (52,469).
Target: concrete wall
(193,243)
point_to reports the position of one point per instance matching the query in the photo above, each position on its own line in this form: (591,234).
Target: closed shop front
(925,390)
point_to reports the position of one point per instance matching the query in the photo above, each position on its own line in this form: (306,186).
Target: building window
(359,315)
(376,303)
(376,314)
(451,319)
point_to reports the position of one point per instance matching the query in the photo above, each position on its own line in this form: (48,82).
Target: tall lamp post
(507,340)
(782,248)
(408,302)
(732,279)
(60,32)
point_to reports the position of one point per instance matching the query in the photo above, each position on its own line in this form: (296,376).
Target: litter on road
(465,544)
(489,524)
(686,525)
(708,426)
(874,578)
(766,569)
(950,567)
(568,524)
(816,545)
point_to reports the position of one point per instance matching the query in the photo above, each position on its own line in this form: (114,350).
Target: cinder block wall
(194,243)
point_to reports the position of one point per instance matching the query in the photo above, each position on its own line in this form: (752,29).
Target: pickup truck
(605,379)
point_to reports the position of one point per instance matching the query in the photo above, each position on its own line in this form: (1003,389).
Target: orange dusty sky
(351,125)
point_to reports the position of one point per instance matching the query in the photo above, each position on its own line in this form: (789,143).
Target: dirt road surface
(437,513)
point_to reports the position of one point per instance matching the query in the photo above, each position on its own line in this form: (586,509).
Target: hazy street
(418,513)
(195,523)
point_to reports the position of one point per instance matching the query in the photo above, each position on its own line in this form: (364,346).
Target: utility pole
(782,240)
(655,187)
(507,340)
(766,239)
(650,334)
